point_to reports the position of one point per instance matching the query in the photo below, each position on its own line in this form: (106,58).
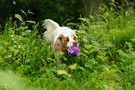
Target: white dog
(60,37)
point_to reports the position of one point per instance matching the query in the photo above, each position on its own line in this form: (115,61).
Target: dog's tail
(50,25)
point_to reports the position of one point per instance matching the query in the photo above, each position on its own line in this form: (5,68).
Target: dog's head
(65,40)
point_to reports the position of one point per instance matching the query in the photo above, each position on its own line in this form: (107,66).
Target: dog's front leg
(58,56)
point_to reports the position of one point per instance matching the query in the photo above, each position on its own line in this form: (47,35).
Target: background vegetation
(57,10)
(106,59)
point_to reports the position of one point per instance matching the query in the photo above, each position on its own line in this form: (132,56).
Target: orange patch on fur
(61,43)
(74,37)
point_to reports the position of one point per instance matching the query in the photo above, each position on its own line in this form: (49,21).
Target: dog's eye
(60,38)
(67,39)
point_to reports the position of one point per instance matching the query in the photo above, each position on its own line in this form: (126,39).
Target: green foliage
(106,59)
(57,10)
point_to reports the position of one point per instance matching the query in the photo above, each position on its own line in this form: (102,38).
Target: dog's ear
(58,44)
(61,43)
(74,37)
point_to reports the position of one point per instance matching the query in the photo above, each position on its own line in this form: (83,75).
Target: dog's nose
(75,43)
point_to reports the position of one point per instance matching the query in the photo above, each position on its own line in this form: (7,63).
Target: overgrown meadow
(106,60)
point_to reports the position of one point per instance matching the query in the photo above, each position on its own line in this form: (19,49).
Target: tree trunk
(90,6)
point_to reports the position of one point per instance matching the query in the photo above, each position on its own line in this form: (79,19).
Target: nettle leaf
(85,40)
(104,84)
(57,54)
(29,12)
(1,60)
(24,12)
(27,60)
(19,17)
(31,22)
(132,54)
(28,32)
(86,52)
(88,46)
(84,55)
(122,53)
(73,66)
(132,66)
(133,40)
(63,72)
(129,46)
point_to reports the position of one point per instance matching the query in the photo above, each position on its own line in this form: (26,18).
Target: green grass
(106,59)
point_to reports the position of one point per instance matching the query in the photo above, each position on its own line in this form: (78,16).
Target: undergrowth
(106,59)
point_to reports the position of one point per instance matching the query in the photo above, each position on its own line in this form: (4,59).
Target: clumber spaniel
(60,37)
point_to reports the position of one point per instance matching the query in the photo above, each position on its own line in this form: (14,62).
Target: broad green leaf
(32,22)
(19,17)
(24,12)
(29,12)
(73,66)
(63,72)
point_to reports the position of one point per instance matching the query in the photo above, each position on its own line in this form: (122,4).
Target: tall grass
(106,59)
